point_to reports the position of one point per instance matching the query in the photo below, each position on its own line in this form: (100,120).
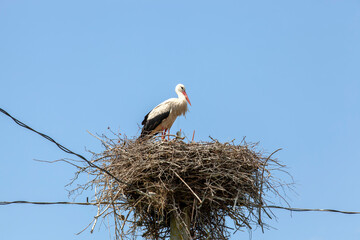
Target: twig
(188,187)
(103,142)
(97,215)
(261,187)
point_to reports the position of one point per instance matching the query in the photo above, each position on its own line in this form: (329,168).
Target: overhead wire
(65,149)
(96,204)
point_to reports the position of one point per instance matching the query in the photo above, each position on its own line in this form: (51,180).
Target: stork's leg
(168,134)
(163,132)
(164,137)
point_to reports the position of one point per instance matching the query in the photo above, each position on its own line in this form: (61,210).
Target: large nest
(199,185)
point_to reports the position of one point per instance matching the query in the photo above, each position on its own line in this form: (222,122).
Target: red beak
(186,96)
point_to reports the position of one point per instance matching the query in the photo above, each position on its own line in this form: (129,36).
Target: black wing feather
(145,118)
(151,124)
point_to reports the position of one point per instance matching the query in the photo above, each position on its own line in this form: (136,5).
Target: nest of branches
(157,186)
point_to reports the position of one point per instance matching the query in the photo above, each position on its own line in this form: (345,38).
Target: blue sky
(284,73)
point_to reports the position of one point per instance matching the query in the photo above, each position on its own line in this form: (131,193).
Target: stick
(188,187)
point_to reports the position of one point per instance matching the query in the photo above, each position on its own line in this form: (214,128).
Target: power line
(69,151)
(47,203)
(312,210)
(96,204)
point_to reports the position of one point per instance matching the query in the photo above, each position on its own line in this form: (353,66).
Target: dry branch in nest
(200,184)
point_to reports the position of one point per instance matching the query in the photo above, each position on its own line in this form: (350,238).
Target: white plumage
(162,117)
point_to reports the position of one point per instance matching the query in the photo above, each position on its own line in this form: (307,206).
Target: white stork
(162,117)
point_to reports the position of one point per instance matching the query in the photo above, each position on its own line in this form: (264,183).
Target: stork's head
(180,89)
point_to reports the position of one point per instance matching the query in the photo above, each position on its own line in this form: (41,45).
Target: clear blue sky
(285,73)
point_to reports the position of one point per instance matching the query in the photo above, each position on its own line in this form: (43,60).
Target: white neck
(181,96)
